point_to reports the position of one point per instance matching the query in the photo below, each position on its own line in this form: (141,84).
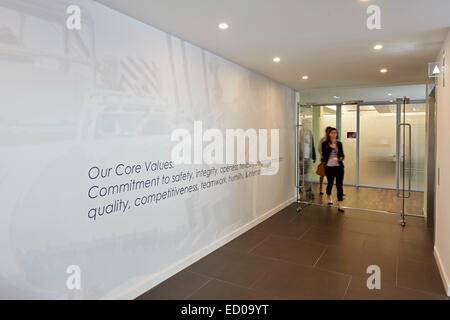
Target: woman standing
(333,155)
(321,167)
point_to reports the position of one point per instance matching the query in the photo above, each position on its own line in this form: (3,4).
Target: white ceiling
(325,39)
(372,94)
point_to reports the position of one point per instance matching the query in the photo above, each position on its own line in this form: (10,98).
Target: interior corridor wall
(109,96)
(442,221)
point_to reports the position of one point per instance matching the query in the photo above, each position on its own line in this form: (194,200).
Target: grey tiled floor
(316,254)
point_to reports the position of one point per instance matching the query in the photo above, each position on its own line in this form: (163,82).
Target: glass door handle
(410,161)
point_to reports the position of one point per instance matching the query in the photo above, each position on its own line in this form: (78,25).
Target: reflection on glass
(348,137)
(314,120)
(378,145)
(415,157)
(377,148)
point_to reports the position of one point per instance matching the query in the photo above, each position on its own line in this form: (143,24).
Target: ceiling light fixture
(389,94)
(223,26)
(305,77)
(336,97)
(378,47)
(276,59)
(384,70)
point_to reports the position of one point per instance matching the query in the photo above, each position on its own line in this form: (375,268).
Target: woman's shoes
(341,210)
(321,193)
(330,202)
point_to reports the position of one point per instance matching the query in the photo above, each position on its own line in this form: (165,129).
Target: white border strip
(156,279)
(444,276)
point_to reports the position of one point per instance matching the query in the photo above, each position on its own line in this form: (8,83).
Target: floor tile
(284,248)
(232,266)
(416,235)
(294,229)
(247,241)
(420,276)
(374,199)
(176,287)
(347,260)
(379,245)
(335,237)
(374,228)
(419,252)
(297,282)
(313,254)
(219,290)
(358,291)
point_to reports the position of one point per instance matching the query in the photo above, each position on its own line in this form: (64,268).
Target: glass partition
(415,116)
(348,137)
(375,156)
(378,145)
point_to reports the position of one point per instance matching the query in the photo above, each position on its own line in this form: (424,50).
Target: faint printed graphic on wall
(102,95)
(109,95)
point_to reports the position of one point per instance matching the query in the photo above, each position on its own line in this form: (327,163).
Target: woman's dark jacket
(326,151)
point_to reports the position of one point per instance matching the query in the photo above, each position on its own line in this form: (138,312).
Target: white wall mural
(108,96)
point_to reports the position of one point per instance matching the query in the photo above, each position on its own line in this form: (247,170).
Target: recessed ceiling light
(389,94)
(378,47)
(276,59)
(336,97)
(384,70)
(223,26)
(305,77)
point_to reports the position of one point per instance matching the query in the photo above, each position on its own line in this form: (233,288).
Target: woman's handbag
(321,169)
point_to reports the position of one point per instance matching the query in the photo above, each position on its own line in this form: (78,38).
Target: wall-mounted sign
(351,135)
(434,70)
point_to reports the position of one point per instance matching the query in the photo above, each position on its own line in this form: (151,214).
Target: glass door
(384,145)
(311,124)
(411,164)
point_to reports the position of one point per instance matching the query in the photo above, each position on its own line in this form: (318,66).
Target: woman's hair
(329,132)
